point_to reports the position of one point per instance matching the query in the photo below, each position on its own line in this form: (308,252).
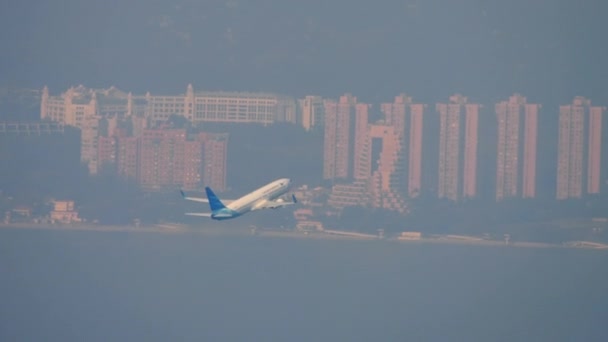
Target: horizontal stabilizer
(200,199)
(199,214)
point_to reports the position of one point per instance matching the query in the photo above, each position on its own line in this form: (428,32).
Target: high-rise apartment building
(579,149)
(127,157)
(214,160)
(517,134)
(345,128)
(335,154)
(360,140)
(107,152)
(458,139)
(407,119)
(311,112)
(162,158)
(192,166)
(89,134)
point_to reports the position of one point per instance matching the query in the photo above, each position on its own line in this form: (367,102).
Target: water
(112,286)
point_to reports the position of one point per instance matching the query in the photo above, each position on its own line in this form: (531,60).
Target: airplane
(266,197)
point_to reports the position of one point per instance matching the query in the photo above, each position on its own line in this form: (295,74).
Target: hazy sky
(127,287)
(550,50)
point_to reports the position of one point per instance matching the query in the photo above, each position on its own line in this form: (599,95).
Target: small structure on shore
(64,212)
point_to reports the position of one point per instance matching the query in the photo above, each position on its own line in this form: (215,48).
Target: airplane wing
(201,199)
(265,204)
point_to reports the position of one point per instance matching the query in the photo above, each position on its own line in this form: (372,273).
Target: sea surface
(119,286)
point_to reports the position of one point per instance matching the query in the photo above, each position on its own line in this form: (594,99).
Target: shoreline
(174,228)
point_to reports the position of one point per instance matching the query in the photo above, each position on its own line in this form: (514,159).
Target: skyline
(391,149)
(365,106)
(29,97)
(184,88)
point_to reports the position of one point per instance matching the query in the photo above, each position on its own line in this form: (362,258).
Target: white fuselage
(268,192)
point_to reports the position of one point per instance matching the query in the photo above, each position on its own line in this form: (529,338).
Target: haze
(545,49)
(125,285)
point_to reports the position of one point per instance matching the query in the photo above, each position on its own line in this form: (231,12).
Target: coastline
(174,228)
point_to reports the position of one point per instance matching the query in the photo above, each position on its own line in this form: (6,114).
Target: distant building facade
(579,149)
(89,136)
(127,157)
(384,180)
(169,158)
(76,103)
(347,195)
(311,112)
(166,158)
(64,212)
(517,135)
(214,159)
(407,118)
(458,139)
(88,108)
(345,128)
(162,161)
